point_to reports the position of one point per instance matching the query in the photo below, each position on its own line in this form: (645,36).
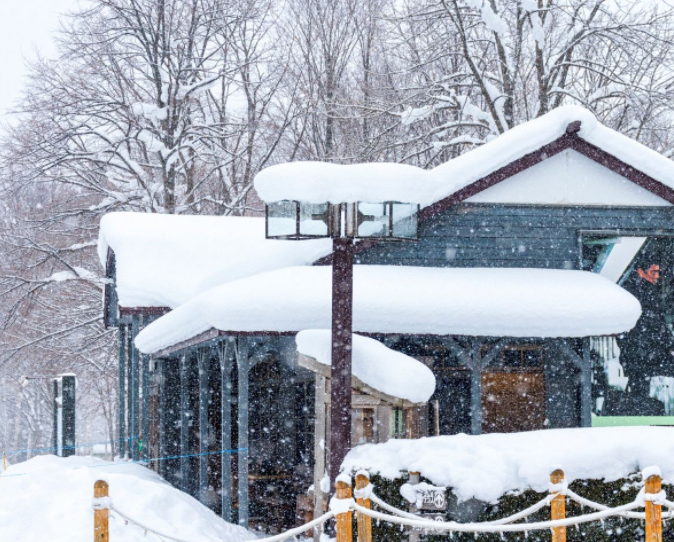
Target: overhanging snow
(377,366)
(409,300)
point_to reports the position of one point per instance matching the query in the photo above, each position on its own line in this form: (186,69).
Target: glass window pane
(282,219)
(314,219)
(405,217)
(373,219)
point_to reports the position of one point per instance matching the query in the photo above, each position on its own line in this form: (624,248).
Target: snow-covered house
(502,297)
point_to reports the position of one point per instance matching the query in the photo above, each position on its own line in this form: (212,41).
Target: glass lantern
(291,219)
(388,220)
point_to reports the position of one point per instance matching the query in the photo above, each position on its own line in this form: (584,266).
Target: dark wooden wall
(483,235)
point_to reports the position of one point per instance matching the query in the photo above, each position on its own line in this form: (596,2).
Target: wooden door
(513,401)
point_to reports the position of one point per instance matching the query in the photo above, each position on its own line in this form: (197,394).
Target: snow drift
(50,498)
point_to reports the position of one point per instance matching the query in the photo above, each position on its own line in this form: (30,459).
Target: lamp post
(344,223)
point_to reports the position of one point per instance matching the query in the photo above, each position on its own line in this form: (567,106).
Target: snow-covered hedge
(614,493)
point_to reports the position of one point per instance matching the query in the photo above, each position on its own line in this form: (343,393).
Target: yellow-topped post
(101,532)
(557,504)
(653,486)
(363,499)
(344,520)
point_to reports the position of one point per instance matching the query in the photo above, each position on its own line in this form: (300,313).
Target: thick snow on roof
(49,498)
(164,260)
(381,368)
(320,182)
(414,300)
(486,467)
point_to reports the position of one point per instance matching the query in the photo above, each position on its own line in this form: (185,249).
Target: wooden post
(364,522)
(344,521)
(557,505)
(653,483)
(101,533)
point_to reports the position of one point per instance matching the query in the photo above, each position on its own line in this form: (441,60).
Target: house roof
(568,127)
(492,302)
(165,260)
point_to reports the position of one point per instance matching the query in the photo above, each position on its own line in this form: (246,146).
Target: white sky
(25,26)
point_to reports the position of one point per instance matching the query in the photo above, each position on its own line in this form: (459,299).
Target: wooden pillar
(121,392)
(145,404)
(163,416)
(653,486)
(135,392)
(344,521)
(225,353)
(475,388)
(340,377)
(203,363)
(243,366)
(184,423)
(364,522)
(101,532)
(68,414)
(586,386)
(56,416)
(320,452)
(286,348)
(129,389)
(557,505)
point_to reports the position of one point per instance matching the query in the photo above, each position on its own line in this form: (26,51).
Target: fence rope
(488,527)
(276,538)
(503,521)
(601,507)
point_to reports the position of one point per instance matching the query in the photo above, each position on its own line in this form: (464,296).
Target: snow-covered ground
(50,498)
(488,466)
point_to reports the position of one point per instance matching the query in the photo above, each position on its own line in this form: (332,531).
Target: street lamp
(344,223)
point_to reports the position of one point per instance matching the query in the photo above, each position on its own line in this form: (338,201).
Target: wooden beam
(356,384)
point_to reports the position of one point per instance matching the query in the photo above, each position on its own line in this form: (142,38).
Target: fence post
(363,499)
(344,521)
(557,504)
(101,506)
(653,486)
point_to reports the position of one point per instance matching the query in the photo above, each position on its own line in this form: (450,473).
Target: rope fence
(342,506)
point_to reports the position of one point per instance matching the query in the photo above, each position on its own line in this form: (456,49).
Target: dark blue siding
(473,235)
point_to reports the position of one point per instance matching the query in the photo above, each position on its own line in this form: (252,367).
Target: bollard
(363,499)
(558,504)
(101,505)
(344,521)
(653,486)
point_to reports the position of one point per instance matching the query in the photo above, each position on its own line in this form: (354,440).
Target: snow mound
(51,496)
(486,467)
(381,368)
